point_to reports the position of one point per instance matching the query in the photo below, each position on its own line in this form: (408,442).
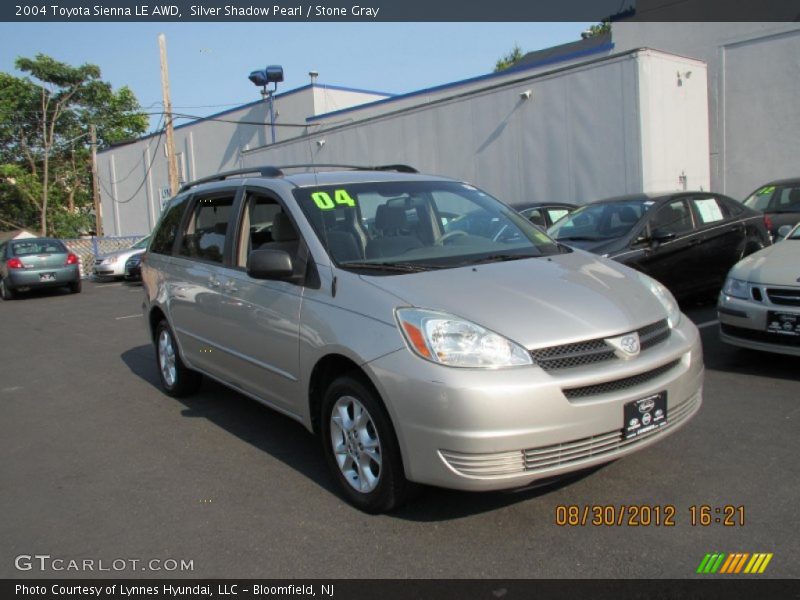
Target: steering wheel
(450,235)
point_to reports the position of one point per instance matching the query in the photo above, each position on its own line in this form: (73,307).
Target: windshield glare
(601,221)
(424,224)
(142,243)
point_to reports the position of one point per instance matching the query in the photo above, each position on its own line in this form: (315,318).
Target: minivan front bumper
(483,429)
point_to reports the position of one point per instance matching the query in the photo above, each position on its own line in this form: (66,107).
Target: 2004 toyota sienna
(427,332)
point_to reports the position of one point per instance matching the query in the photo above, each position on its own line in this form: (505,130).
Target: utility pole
(98,208)
(172,163)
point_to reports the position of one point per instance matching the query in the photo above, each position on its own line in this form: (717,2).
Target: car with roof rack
(417,353)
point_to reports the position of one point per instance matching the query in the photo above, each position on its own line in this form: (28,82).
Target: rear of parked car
(35,263)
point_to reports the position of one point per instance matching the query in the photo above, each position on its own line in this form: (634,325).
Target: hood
(595,247)
(538,301)
(778,264)
(120,253)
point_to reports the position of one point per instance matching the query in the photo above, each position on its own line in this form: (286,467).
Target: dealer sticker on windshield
(325,201)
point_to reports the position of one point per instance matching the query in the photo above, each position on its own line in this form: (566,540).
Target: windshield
(794,234)
(418,225)
(27,247)
(775,198)
(142,243)
(601,221)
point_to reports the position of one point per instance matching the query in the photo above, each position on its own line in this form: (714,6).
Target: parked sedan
(133,271)
(759,306)
(37,263)
(686,240)
(779,202)
(545,214)
(113,264)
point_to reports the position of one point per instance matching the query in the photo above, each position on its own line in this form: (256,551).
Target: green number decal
(342,197)
(766,190)
(322,200)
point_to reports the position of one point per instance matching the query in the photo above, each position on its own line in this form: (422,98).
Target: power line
(144,179)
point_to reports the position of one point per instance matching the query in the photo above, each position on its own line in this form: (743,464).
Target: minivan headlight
(449,340)
(666,299)
(735,287)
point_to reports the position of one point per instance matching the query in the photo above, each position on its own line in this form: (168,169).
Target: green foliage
(599,29)
(45,117)
(509,59)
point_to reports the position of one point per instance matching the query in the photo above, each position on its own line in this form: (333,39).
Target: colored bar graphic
(722,563)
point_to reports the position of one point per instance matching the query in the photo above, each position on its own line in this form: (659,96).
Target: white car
(759,306)
(113,264)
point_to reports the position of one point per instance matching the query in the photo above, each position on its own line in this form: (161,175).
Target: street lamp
(262,78)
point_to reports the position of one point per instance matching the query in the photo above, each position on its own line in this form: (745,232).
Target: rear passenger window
(204,237)
(167,228)
(709,210)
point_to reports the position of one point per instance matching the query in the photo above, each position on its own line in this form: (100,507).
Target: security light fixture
(262,78)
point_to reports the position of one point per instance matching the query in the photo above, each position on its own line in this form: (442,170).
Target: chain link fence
(88,249)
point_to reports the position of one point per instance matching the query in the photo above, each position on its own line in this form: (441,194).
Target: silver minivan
(425,331)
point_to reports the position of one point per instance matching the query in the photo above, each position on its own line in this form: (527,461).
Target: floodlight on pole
(262,78)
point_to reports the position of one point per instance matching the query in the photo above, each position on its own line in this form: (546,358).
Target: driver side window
(675,218)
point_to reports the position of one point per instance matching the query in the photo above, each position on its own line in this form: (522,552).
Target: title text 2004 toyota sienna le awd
(418,351)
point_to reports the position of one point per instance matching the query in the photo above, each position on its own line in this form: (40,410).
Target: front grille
(619,384)
(594,351)
(784,296)
(533,460)
(756,335)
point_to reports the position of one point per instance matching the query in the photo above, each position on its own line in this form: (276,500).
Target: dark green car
(37,263)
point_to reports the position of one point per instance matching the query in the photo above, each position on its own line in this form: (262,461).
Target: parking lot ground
(98,463)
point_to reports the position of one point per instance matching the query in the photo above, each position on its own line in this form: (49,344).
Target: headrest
(628,215)
(390,217)
(282,229)
(221,227)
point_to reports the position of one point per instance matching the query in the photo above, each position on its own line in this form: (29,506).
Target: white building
(705,105)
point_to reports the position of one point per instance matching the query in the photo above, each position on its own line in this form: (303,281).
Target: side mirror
(783,231)
(661,236)
(269,264)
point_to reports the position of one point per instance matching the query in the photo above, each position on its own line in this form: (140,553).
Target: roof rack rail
(270,171)
(265,171)
(398,168)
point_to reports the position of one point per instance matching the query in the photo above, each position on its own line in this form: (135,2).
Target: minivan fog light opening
(456,342)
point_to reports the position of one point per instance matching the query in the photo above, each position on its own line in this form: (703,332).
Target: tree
(596,30)
(44,149)
(509,60)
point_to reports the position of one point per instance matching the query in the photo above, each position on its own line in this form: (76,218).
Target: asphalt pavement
(98,464)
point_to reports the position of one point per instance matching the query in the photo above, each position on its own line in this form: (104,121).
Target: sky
(209,62)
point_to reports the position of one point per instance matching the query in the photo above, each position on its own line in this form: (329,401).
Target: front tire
(5,292)
(361,448)
(176,379)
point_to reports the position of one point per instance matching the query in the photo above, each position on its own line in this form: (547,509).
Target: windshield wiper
(400,267)
(499,258)
(581,238)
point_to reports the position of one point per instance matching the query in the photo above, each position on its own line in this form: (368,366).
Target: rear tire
(75,287)
(5,292)
(176,378)
(361,448)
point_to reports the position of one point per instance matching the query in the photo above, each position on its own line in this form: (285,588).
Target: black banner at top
(397,10)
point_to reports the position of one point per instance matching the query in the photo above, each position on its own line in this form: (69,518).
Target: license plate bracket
(783,323)
(644,415)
